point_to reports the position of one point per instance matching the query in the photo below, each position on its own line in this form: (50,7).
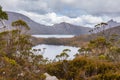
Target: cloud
(94,7)
(52,18)
(38,6)
(79,12)
(34,5)
(9,5)
(68,1)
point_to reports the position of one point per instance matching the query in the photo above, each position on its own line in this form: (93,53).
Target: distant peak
(112,21)
(63,23)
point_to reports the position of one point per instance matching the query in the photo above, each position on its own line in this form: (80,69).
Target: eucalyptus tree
(21,26)
(64,56)
(84,51)
(98,30)
(13,42)
(58,57)
(3,16)
(81,51)
(101,28)
(23,43)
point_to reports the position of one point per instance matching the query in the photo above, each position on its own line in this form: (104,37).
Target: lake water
(53,36)
(50,51)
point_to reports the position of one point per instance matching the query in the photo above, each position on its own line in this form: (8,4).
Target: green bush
(82,68)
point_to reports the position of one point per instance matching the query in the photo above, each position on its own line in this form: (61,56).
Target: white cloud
(95,6)
(91,19)
(68,1)
(10,5)
(33,5)
(28,5)
(50,12)
(90,6)
(53,18)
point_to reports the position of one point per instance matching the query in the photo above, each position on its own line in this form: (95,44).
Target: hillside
(36,28)
(68,28)
(111,23)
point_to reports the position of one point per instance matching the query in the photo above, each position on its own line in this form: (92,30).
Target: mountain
(36,28)
(111,23)
(68,28)
(113,30)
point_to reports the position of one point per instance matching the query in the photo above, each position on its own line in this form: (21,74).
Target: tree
(64,56)
(105,42)
(99,45)
(101,28)
(20,25)
(58,57)
(3,16)
(23,43)
(15,55)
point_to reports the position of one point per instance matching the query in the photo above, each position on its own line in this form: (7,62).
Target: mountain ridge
(111,23)
(37,28)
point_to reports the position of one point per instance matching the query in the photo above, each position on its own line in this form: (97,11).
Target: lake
(50,51)
(53,36)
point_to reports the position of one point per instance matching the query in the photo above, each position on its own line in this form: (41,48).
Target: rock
(49,77)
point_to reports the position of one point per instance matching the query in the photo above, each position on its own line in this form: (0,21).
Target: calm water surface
(50,51)
(53,36)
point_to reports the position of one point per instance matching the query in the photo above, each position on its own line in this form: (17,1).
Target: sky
(79,12)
